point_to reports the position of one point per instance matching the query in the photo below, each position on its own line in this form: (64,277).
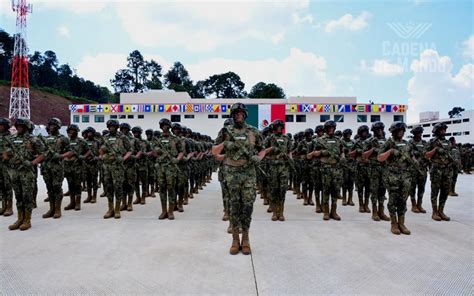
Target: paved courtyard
(82,253)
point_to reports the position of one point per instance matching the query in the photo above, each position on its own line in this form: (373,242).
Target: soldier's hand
(395,152)
(56,156)
(228,145)
(119,158)
(255,159)
(174,160)
(26,163)
(324,152)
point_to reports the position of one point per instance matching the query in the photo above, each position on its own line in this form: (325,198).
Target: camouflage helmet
(396,126)
(176,125)
(362,128)
(157,133)
(308,131)
(266,130)
(439,126)
(149,132)
(319,128)
(238,107)
(328,124)
(112,122)
(23,121)
(73,127)
(278,122)
(338,133)
(5,121)
(137,129)
(165,121)
(105,132)
(347,131)
(229,122)
(55,121)
(125,125)
(90,129)
(377,125)
(417,130)
(289,135)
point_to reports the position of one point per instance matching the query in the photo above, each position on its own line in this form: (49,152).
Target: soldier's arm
(128,147)
(429,154)
(385,152)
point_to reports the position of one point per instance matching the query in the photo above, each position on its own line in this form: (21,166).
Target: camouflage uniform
(20,152)
(142,166)
(306,166)
(418,176)
(456,166)
(348,168)
(221,137)
(91,166)
(6,193)
(362,171)
(151,161)
(130,169)
(182,173)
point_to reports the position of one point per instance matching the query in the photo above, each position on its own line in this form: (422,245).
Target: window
(289,118)
(122,116)
(85,118)
(456,121)
(189,116)
(339,118)
(140,116)
(465,120)
(457,134)
(113,116)
(224,116)
(398,118)
(175,118)
(426,136)
(448,134)
(324,118)
(213,116)
(374,118)
(361,118)
(427,125)
(467,133)
(75,118)
(130,116)
(300,118)
(98,118)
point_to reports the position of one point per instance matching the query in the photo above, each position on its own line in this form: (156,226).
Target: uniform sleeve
(66,144)
(126,144)
(386,146)
(38,145)
(258,141)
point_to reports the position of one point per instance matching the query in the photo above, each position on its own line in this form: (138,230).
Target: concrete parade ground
(83,254)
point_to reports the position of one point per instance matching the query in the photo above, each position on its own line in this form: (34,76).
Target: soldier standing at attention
(456,165)
(278,166)
(6,192)
(151,166)
(316,170)
(329,148)
(221,138)
(115,150)
(73,167)
(130,169)
(418,147)
(307,184)
(439,152)
(22,153)
(91,165)
(348,167)
(142,165)
(57,149)
(376,170)
(397,154)
(243,150)
(182,173)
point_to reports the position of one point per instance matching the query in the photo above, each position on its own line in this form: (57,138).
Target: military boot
(361,205)
(453,193)
(129,202)
(382,215)
(180,204)
(4,206)
(270,208)
(117,208)
(143,199)
(89,196)
(310,199)
(344,197)
(401,225)
(418,205)
(137,199)
(366,205)
(229,228)
(435,216)
(394,224)
(442,215)
(164,210)
(50,212)
(275,212)
(57,209)
(235,247)
(350,202)
(78,202)
(19,221)
(123,206)
(265,201)
(110,212)
(375,213)
(414,208)
(305,198)
(281,217)
(67,193)
(152,193)
(225,217)
(72,203)
(333,213)
(26,221)
(318,203)
(245,243)
(326,211)
(170,211)
(94,196)
(9,208)
(186,198)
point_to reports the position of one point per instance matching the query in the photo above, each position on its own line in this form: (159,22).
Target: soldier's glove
(395,152)
(255,159)
(324,152)
(26,163)
(174,160)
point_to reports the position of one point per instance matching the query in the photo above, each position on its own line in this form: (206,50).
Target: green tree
(154,70)
(226,85)
(270,91)
(178,78)
(123,81)
(138,68)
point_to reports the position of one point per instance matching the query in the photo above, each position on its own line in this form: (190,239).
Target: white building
(207,115)
(461,128)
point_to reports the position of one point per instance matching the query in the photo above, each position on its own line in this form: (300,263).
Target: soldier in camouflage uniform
(278,168)
(329,148)
(190,152)
(290,175)
(419,174)
(348,168)
(306,165)
(151,160)
(362,169)
(398,156)
(168,153)
(298,160)
(144,147)
(456,166)
(115,150)
(6,193)
(263,185)
(73,167)
(377,170)
(91,164)
(439,152)
(52,168)
(221,138)
(243,150)
(316,170)
(22,153)
(130,169)
(466,158)
(101,163)
(182,174)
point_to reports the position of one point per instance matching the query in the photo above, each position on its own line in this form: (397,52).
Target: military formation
(177,163)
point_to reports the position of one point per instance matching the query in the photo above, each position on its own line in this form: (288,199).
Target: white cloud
(349,22)
(277,38)
(297,19)
(381,68)
(434,86)
(76,6)
(203,26)
(468,50)
(64,31)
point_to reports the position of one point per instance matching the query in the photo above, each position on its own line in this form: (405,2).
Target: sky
(419,53)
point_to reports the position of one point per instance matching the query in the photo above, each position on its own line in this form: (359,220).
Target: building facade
(208,115)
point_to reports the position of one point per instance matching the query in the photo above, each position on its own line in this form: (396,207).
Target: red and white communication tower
(20,84)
